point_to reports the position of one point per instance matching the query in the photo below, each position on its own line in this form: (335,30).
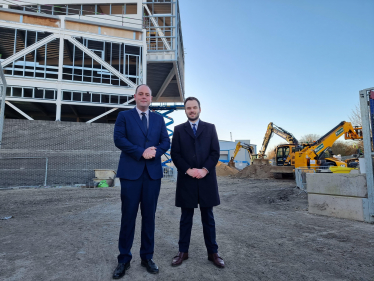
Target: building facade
(80,62)
(242,159)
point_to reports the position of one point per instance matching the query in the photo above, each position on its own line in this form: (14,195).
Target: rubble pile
(256,171)
(223,170)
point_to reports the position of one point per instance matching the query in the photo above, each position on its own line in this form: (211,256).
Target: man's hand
(200,173)
(192,172)
(150,152)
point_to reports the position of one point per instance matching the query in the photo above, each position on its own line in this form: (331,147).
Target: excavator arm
(326,141)
(238,146)
(311,155)
(273,129)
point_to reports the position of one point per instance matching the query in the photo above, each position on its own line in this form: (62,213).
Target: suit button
(147,140)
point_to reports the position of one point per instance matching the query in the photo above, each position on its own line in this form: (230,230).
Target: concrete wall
(73,150)
(337,195)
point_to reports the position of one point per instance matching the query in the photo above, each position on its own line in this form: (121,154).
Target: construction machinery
(319,153)
(284,153)
(273,129)
(240,145)
(294,154)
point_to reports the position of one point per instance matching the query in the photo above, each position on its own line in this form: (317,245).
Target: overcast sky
(297,63)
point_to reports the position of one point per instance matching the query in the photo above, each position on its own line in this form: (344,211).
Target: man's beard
(195,118)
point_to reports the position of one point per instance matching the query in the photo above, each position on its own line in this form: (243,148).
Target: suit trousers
(209,229)
(143,191)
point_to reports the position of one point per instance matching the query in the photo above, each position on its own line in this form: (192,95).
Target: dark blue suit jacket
(131,138)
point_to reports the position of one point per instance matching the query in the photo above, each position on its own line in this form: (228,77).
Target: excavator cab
(282,154)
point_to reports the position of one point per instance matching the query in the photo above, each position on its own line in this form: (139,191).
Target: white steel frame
(368,151)
(61,85)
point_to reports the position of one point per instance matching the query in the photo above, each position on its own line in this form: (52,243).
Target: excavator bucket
(231,163)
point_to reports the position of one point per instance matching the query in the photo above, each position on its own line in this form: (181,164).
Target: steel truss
(106,68)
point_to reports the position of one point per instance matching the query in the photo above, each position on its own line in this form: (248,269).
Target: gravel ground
(264,232)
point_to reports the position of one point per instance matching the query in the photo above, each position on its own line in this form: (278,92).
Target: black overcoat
(188,151)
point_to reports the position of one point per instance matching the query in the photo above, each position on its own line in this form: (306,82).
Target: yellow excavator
(240,145)
(284,153)
(273,129)
(319,153)
(294,154)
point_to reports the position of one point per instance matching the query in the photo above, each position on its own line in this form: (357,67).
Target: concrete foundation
(353,185)
(337,195)
(336,206)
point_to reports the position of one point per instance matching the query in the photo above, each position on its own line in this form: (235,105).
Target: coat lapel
(188,129)
(200,128)
(137,119)
(151,121)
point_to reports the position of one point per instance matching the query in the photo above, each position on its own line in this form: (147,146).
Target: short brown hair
(191,98)
(136,90)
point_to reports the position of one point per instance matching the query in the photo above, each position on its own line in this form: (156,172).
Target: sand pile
(223,170)
(256,172)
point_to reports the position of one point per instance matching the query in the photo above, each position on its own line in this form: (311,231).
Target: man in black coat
(195,152)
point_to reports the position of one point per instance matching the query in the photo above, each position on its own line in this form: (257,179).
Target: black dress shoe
(150,265)
(120,270)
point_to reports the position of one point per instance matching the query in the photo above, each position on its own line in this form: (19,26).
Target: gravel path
(264,232)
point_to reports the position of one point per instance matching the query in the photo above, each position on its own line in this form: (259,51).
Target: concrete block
(336,206)
(353,185)
(117,182)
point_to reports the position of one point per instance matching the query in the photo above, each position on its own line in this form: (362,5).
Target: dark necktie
(194,129)
(144,120)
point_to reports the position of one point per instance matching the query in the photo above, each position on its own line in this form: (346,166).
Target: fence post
(3,87)
(46,171)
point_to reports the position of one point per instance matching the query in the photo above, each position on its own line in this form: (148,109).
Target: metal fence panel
(3,86)
(16,171)
(170,173)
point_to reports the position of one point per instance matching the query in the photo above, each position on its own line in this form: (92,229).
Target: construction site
(297,211)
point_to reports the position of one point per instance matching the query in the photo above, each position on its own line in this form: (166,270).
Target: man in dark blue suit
(143,138)
(195,152)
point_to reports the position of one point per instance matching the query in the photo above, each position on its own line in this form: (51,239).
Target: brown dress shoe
(177,260)
(217,260)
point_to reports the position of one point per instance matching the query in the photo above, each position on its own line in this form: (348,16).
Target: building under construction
(79,63)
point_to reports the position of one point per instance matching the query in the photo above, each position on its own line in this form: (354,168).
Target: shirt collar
(196,122)
(140,112)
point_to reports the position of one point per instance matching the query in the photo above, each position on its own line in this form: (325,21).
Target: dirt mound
(223,170)
(256,172)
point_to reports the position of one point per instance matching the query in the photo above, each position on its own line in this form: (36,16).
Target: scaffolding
(165,111)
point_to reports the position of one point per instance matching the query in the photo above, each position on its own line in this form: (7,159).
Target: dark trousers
(144,191)
(209,229)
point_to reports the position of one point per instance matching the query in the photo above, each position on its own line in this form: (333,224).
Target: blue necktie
(144,120)
(194,129)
